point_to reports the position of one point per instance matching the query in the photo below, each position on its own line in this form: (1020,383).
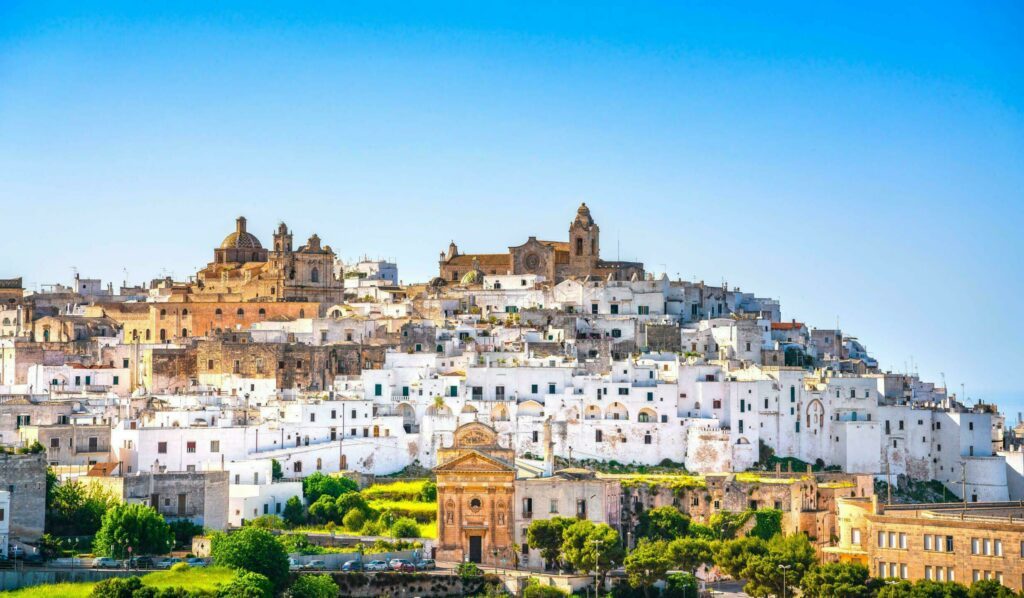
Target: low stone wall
(425,585)
(13,579)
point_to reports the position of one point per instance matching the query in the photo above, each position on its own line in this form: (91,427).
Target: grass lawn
(420,511)
(199,578)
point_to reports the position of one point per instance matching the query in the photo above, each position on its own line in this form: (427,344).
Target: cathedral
(243,270)
(578,257)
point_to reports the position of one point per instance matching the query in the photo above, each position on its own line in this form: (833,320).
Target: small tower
(584,241)
(282,239)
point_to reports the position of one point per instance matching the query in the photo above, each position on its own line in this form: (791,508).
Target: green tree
(732,555)
(294,512)
(184,530)
(534,589)
(764,574)
(591,547)
(546,536)
(324,509)
(76,509)
(318,484)
(690,553)
(405,527)
(429,492)
(896,589)
(680,585)
(247,585)
(647,563)
(662,523)
(253,549)
(353,500)
(276,473)
(314,586)
(134,525)
(354,520)
(838,580)
(990,588)
(117,587)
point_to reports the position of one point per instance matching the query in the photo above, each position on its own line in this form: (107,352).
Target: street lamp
(784,569)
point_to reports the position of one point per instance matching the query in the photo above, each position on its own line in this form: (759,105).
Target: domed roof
(240,239)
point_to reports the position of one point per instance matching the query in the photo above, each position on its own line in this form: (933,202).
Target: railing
(527,514)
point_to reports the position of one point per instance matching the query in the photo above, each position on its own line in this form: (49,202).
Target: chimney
(549,450)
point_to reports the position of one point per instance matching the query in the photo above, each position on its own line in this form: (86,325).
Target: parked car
(317,565)
(401,565)
(33,558)
(426,565)
(352,566)
(142,562)
(376,566)
(196,562)
(105,562)
(168,562)
(15,552)
(295,565)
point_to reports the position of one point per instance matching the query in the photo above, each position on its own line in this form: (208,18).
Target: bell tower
(282,239)
(584,241)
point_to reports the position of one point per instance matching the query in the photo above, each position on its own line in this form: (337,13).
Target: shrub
(267,522)
(117,587)
(314,586)
(372,528)
(324,509)
(405,527)
(318,484)
(535,590)
(253,549)
(180,567)
(429,492)
(467,570)
(354,520)
(248,585)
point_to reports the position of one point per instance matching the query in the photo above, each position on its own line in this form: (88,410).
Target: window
(240,312)
(161,447)
(598,436)
(377,390)
(553,507)
(297,468)
(214,446)
(647,438)
(855,536)
(615,310)
(190,446)
(551,388)
(533,388)
(616,333)
(623,391)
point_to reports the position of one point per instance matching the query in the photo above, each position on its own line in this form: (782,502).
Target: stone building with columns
(579,257)
(475,492)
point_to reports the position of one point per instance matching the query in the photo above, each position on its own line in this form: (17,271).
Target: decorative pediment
(474,461)
(475,434)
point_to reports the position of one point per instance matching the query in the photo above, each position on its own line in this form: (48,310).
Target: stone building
(199,496)
(475,491)
(242,269)
(942,542)
(70,444)
(24,477)
(580,256)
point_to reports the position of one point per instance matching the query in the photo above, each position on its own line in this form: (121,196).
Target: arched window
(475,503)
(302,313)
(593,247)
(291,274)
(184,332)
(262,313)
(147,333)
(218,312)
(240,311)
(314,275)
(319,464)
(163,312)
(163,335)
(579,245)
(184,312)
(7,321)
(256,257)
(647,438)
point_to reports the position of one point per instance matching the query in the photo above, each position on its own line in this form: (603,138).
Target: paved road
(728,589)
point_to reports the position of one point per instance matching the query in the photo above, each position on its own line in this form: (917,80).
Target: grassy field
(420,511)
(395,490)
(207,578)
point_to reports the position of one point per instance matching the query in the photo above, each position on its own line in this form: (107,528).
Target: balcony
(527,514)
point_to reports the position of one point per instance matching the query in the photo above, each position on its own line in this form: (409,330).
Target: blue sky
(862,162)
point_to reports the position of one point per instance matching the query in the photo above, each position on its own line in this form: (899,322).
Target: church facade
(475,492)
(578,257)
(243,270)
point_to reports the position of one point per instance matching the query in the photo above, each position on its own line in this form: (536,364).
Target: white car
(105,562)
(376,566)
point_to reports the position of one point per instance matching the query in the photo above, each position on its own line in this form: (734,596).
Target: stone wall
(25,477)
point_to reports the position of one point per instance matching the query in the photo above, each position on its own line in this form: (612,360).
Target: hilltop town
(526,383)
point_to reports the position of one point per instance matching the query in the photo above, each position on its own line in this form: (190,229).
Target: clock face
(532,262)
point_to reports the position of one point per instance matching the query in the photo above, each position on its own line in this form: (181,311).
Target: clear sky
(857,161)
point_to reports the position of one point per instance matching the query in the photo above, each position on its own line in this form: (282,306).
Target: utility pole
(963,483)
(784,569)
(888,480)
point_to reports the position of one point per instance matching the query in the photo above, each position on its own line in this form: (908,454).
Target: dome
(240,239)
(583,216)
